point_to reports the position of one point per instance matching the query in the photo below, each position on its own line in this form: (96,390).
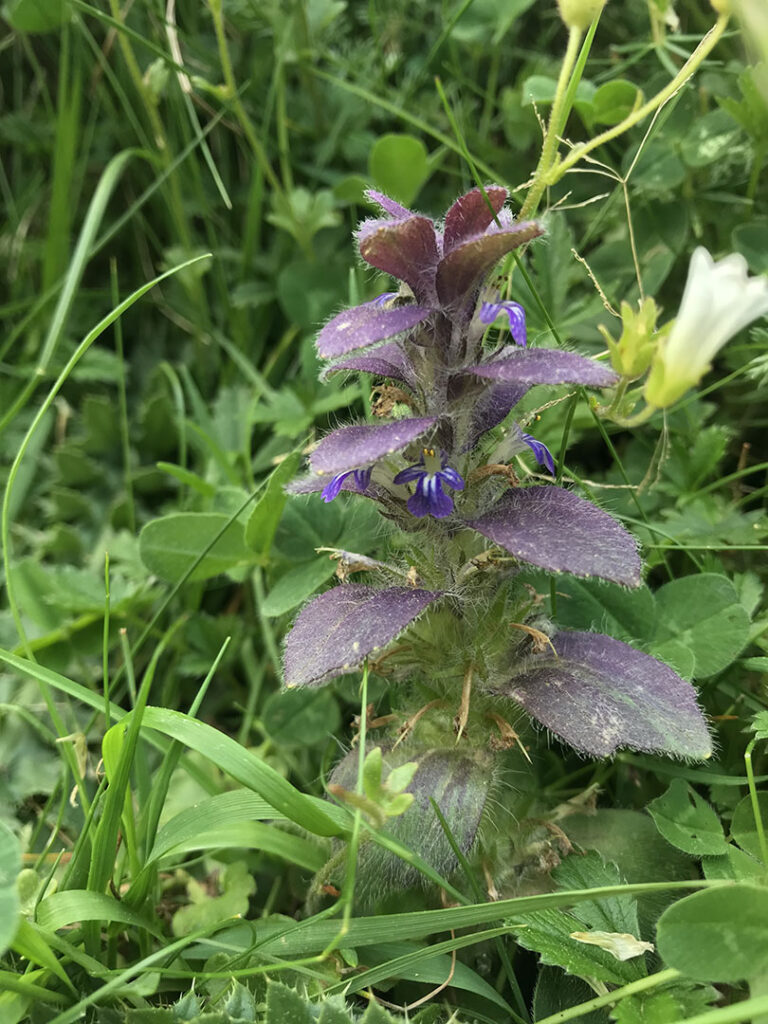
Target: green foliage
(686,821)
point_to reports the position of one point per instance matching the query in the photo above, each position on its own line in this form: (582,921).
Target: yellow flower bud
(580,13)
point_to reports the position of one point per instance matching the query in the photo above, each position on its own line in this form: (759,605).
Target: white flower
(719,299)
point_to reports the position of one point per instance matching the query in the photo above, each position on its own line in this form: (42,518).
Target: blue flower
(430,476)
(332,488)
(515,313)
(542,453)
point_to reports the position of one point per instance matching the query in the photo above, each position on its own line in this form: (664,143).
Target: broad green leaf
(744,827)
(607,608)
(711,137)
(170,545)
(263,520)
(300,718)
(556,991)
(228,755)
(308,292)
(687,821)
(311,936)
(719,935)
(398,166)
(749,240)
(548,933)
(10,866)
(61,909)
(36,15)
(541,89)
(614,101)
(676,1002)
(735,865)
(206,911)
(30,942)
(296,585)
(705,613)
(286,1006)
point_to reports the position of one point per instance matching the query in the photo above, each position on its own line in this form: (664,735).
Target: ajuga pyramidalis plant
(448,618)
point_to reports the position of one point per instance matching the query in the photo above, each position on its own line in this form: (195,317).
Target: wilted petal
(561,532)
(471,215)
(388,205)
(365,325)
(385,361)
(338,630)
(491,407)
(546,366)
(406,249)
(461,269)
(363,444)
(600,694)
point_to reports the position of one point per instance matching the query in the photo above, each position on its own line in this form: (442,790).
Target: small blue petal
(331,489)
(489,311)
(409,475)
(380,300)
(542,453)
(451,478)
(363,478)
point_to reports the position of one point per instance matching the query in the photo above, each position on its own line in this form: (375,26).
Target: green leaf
(168,546)
(296,585)
(398,165)
(30,942)
(548,932)
(61,909)
(628,615)
(678,1002)
(703,612)
(263,520)
(687,821)
(36,15)
(719,935)
(312,814)
(541,90)
(556,991)
(285,1006)
(749,240)
(744,827)
(300,718)
(10,866)
(614,101)
(711,137)
(206,911)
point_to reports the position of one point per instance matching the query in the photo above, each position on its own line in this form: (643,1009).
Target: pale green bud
(723,6)
(631,355)
(580,13)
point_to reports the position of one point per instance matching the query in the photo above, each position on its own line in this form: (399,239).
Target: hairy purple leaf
(546,366)
(600,694)
(363,444)
(365,325)
(406,249)
(385,361)
(491,407)
(457,780)
(387,204)
(471,214)
(559,531)
(461,269)
(336,632)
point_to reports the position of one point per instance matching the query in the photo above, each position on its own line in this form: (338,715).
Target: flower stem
(706,45)
(557,118)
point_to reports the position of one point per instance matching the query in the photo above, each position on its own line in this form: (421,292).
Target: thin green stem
(755,802)
(704,48)
(557,118)
(641,985)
